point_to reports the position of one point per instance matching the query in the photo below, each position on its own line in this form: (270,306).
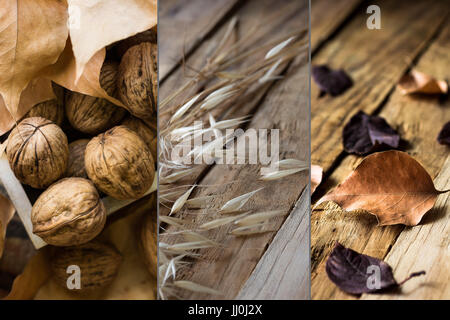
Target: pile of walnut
(112,152)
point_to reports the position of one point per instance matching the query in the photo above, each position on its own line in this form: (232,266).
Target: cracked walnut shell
(120,163)
(37,152)
(70,212)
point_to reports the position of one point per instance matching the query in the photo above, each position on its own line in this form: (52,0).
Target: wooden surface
(376,60)
(230,266)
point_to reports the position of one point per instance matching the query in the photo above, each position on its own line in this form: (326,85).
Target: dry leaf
(354,273)
(32,36)
(63,73)
(391,185)
(35,274)
(6,213)
(96,24)
(38,90)
(333,82)
(364,134)
(419,82)
(316,176)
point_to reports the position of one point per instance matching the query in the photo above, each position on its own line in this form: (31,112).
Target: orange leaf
(32,36)
(391,185)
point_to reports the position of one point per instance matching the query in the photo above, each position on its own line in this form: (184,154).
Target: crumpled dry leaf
(133,281)
(32,36)
(419,82)
(444,134)
(364,134)
(6,213)
(354,272)
(391,185)
(96,24)
(38,90)
(333,82)
(316,176)
(63,72)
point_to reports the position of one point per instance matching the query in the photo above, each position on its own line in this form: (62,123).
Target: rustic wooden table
(272,265)
(414,34)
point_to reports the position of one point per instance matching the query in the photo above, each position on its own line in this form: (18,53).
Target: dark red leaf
(444,135)
(364,134)
(333,82)
(355,273)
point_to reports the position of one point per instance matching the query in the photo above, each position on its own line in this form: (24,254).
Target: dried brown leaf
(419,82)
(63,72)
(316,176)
(32,36)
(391,185)
(6,213)
(96,24)
(38,90)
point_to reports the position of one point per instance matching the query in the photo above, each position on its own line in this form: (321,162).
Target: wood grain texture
(424,247)
(226,269)
(327,16)
(418,120)
(183,25)
(375,59)
(283,271)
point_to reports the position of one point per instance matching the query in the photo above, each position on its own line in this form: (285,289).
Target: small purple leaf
(333,82)
(364,134)
(444,135)
(357,273)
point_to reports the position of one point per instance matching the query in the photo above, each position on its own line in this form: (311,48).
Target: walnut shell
(137,80)
(98,263)
(143,131)
(50,110)
(94,115)
(75,167)
(149,35)
(120,163)
(38,152)
(70,212)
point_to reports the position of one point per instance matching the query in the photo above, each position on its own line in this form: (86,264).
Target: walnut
(98,263)
(137,80)
(70,212)
(94,115)
(75,167)
(50,110)
(143,131)
(120,163)
(38,152)
(149,35)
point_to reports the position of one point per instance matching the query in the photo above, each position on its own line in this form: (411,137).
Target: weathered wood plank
(424,247)
(327,16)
(227,268)
(375,59)
(283,271)
(183,25)
(418,120)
